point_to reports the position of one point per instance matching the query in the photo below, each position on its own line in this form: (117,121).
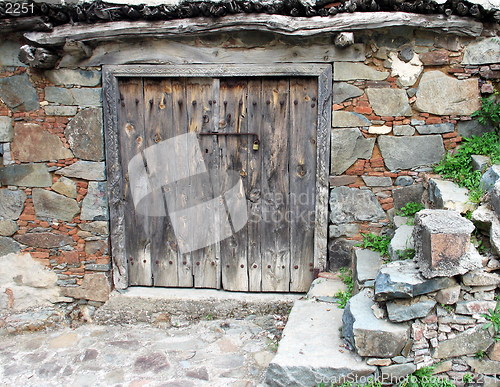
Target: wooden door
(273,251)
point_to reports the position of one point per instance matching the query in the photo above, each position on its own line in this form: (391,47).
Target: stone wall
(394,115)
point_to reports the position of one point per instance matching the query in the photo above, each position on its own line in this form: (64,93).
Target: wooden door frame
(111,75)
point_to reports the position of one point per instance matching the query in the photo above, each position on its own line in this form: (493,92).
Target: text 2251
(18,8)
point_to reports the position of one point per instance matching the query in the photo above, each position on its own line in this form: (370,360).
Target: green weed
(378,243)
(410,209)
(343,296)
(406,254)
(493,316)
(480,355)
(489,113)
(424,378)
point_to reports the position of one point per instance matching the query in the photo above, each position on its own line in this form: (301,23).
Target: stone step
(366,266)
(312,351)
(401,241)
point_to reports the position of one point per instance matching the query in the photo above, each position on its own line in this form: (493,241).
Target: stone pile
(430,310)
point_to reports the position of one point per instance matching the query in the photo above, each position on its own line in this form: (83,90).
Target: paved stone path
(208,353)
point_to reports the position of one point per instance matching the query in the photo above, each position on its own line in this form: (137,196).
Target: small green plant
(410,209)
(378,243)
(423,377)
(493,316)
(489,113)
(468,378)
(343,296)
(272,345)
(406,254)
(448,308)
(480,355)
(209,317)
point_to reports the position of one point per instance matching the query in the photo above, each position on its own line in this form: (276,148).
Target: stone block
(495,198)
(347,71)
(389,102)
(447,195)
(407,152)
(403,130)
(8,246)
(480,162)
(408,194)
(8,227)
(84,135)
(57,110)
(9,52)
(65,186)
(407,71)
(448,296)
(18,93)
(377,181)
(98,227)
(442,244)
(369,335)
(348,145)
(474,307)
(6,132)
(468,342)
(343,91)
(472,128)
(401,241)
(480,278)
(397,372)
(349,205)
(406,310)
(341,119)
(384,129)
(490,177)
(345,229)
(50,205)
(435,58)
(33,143)
(494,351)
(340,253)
(95,203)
(482,52)
(402,279)
(324,287)
(403,181)
(484,367)
(435,128)
(73,77)
(99,247)
(86,170)
(444,95)
(337,181)
(367,264)
(11,203)
(25,175)
(79,97)
(95,287)
(45,240)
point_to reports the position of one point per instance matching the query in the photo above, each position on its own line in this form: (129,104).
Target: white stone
(408,72)
(384,129)
(447,195)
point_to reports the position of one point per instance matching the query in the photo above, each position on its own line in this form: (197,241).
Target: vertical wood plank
(275,186)
(158,124)
(131,132)
(234,157)
(254,185)
(302,168)
(201,92)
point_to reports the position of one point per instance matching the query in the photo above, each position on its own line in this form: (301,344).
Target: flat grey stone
(349,145)
(6,131)
(377,181)
(56,110)
(444,95)
(389,102)
(341,119)
(345,229)
(51,205)
(400,220)
(490,177)
(97,227)
(410,152)
(73,77)
(347,71)
(495,198)
(84,135)
(403,181)
(404,195)
(8,227)
(79,97)
(11,203)
(349,205)
(86,170)
(369,335)
(18,93)
(343,91)
(480,278)
(309,349)
(402,279)
(65,186)
(44,240)
(474,307)
(403,130)
(448,296)
(480,162)
(397,372)
(324,287)
(435,128)
(468,342)
(447,195)
(25,175)
(482,52)
(406,310)
(401,241)
(368,263)
(472,128)
(95,287)
(340,253)
(8,246)
(95,203)
(9,51)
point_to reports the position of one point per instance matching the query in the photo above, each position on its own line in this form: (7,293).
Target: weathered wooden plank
(171,52)
(275,186)
(131,130)
(158,115)
(254,186)
(234,158)
(35,23)
(302,169)
(201,92)
(279,24)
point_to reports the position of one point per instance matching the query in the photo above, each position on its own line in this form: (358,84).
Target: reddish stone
(435,58)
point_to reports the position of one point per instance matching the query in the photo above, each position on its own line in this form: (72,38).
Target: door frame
(115,185)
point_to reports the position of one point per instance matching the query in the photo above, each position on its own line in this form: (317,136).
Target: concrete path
(208,353)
